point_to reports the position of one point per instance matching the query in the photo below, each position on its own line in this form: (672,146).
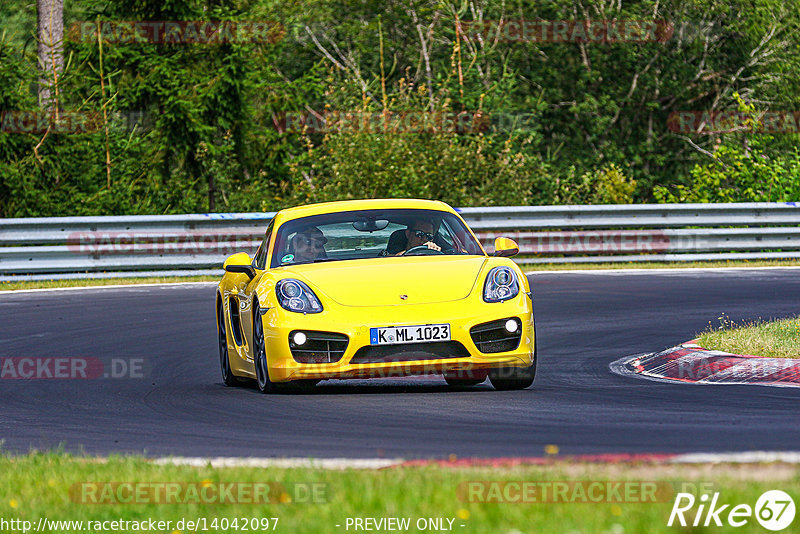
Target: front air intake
(497,336)
(409,352)
(317,347)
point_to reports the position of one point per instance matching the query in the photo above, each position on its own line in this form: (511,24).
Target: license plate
(424,333)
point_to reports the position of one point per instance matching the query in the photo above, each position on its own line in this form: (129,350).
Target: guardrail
(68,247)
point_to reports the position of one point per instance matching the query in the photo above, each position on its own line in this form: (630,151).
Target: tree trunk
(212,190)
(51,58)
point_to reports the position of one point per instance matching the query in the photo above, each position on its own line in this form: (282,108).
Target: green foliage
(608,185)
(738,175)
(591,117)
(440,166)
(745,167)
(420,147)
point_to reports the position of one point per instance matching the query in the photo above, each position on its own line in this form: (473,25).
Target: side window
(260,261)
(445,235)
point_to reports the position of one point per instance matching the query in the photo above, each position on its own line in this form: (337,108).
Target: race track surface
(584,321)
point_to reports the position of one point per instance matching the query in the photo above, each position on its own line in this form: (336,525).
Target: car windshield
(372,234)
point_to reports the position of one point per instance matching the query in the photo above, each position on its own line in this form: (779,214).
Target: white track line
(316,463)
(642,270)
(747,457)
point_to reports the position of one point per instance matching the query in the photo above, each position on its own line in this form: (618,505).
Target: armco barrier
(72,247)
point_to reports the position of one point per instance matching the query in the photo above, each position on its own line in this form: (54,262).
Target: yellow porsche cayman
(374,288)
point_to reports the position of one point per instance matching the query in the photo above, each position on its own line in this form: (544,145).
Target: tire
(465,378)
(510,378)
(228,378)
(264,384)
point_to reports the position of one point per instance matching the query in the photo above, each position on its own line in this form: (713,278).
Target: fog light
(299,338)
(511,325)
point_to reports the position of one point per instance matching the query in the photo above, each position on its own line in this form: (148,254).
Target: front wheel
(260,353)
(265,385)
(509,378)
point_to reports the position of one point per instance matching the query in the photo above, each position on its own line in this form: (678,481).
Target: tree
(50,29)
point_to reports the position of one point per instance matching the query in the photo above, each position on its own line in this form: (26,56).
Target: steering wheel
(421,250)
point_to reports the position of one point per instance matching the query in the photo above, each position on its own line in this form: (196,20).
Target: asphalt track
(584,322)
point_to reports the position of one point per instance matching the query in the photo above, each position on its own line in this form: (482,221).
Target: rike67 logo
(774,510)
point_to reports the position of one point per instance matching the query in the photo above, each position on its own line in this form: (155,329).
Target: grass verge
(63,487)
(770,339)
(90,282)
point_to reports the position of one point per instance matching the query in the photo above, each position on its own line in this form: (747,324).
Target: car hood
(384,281)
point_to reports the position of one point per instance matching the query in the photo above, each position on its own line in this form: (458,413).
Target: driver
(308,245)
(420,233)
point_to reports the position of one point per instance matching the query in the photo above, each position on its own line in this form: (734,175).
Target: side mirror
(505,247)
(240,263)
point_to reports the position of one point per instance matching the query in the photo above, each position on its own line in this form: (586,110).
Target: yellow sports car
(374,288)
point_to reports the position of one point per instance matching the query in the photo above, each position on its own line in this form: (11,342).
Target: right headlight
(501,284)
(295,296)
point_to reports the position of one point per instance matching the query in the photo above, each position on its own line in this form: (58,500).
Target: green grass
(50,284)
(39,485)
(770,339)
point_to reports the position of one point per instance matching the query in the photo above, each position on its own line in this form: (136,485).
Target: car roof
(351,205)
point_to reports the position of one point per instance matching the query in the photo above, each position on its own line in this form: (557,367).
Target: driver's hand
(433,246)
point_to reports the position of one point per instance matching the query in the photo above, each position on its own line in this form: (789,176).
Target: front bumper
(355,323)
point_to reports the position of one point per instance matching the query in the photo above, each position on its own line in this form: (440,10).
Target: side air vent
(236,324)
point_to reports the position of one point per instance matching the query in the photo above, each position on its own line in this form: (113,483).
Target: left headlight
(296,296)
(501,284)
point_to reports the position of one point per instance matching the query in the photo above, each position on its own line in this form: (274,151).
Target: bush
(738,176)
(607,185)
